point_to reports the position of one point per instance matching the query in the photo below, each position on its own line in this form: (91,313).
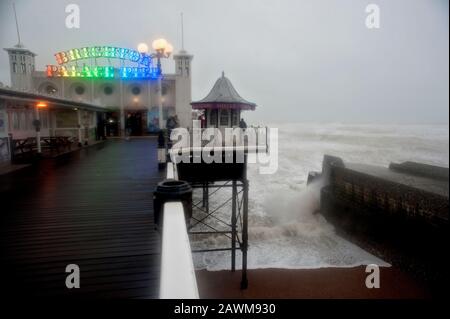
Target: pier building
(92,92)
(124,82)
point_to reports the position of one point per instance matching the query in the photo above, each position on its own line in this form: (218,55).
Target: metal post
(149,106)
(244,281)
(121,112)
(92,90)
(204,195)
(160,106)
(79,127)
(38,132)
(233,227)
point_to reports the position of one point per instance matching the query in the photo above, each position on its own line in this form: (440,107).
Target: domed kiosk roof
(223,96)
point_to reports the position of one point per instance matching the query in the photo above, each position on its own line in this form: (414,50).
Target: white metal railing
(177,267)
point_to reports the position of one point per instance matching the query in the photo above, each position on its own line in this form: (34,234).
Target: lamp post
(163,49)
(37,125)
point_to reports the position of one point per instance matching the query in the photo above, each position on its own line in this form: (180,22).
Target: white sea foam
(284,229)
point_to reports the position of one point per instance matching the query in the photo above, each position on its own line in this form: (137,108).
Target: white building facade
(133,102)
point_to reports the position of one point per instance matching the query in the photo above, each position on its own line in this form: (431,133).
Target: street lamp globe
(159,45)
(142,48)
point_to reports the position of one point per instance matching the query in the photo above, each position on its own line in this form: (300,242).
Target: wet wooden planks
(92,208)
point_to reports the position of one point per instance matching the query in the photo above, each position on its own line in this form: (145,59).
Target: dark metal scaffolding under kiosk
(209,179)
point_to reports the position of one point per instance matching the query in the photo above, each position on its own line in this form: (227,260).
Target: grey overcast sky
(299,60)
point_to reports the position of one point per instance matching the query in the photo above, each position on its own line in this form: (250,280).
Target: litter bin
(171,190)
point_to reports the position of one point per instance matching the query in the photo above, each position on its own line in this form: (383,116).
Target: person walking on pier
(172,123)
(242,124)
(128,125)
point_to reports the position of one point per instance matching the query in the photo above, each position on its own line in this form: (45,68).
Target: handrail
(177,267)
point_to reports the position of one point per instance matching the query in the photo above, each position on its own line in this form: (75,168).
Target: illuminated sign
(143,70)
(103,52)
(80,72)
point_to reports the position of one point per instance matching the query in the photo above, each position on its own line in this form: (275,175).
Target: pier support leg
(244,281)
(206,196)
(233,226)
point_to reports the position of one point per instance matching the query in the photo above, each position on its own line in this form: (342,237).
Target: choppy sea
(284,232)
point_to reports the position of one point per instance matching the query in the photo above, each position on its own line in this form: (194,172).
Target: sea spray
(291,205)
(294,213)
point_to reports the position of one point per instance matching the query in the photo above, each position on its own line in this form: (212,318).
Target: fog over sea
(283,231)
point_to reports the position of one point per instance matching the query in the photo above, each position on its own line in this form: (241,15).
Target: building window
(136,90)
(15,120)
(10,121)
(234,117)
(213,118)
(164,90)
(224,117)
(66,119)
(79,90)
(44,119)
(24,68)
(168,111)
(23,121)
(32,118)
(14,66)
(29,120)
(108,90)
(50,89)
(2,121)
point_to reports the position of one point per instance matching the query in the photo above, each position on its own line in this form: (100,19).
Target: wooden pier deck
(92,208)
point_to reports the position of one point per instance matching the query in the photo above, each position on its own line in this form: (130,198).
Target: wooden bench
(23,149)
(57,143)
